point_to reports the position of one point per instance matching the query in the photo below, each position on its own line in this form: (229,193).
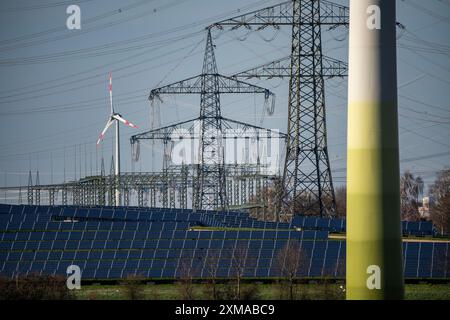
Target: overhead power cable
(88,29)
(158,34)
(86,21)
(41,6)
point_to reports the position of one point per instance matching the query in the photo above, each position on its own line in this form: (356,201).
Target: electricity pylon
(210,184)
(307,185)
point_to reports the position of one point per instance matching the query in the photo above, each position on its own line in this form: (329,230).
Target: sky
(54,93)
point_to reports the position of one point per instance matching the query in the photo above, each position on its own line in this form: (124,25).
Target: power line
(87,21)
(41,6)
(120,11)
(87,85)
(186,36)
(426,10)
(86,30)
(79,54)
(425,103)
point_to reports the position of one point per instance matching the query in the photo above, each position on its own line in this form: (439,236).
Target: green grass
(427,291)
(262,291)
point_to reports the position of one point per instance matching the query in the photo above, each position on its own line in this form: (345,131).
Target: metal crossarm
(307,185)
(281,68)
(332,14)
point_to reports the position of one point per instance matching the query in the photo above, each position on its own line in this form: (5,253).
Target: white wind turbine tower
(115,117)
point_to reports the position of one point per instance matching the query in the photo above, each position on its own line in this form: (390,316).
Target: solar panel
(154,235)
(31,245)
(116,225)
(113,235)
(68,255)
(13,255)
(167,242)
(218,235)
(95,255)
(131,264)
(440,262)
(155,273)
(5,208)
(101,235)
(44,210)
(111,244)
(29,210)
(203,244)
(45,245)
(138,244)
(101,272)
(75,235)
(49,236)
(115,273)
(135,254)
(87,273)
(81,213)
(62,236)
(425,260)
(55,255)
(98,244)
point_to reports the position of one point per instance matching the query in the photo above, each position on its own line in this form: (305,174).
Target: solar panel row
(82,231)
(414,228)
(319,258)
(209,218)
(31,241)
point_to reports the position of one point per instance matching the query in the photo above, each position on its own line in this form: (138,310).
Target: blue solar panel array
(410,228)
(111,243)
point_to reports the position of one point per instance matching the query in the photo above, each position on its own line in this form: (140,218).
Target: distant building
(424,210)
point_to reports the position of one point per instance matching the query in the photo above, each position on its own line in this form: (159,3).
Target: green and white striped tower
(374,243)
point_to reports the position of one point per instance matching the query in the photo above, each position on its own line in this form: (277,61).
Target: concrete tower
(374,244)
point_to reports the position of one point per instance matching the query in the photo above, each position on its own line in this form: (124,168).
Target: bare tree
(442,261)
(186,274)
(341,201)
(267,197)
(238,265)
(331,290)
(411,188)
(289,260)
(340,267)
(133,288)
(440,204)
(212,268)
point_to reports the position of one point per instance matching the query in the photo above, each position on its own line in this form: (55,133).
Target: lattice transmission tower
(209,190)
(307,185)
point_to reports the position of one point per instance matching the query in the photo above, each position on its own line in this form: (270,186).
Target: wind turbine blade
(110,93)
(128,123)
(102,134)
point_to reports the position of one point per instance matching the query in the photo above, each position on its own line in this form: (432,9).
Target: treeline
(412,206)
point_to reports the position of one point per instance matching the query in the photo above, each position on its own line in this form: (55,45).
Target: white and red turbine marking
(110,93)
(113,116)
(102,134)
(128,123)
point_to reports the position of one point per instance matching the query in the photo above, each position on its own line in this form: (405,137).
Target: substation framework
(171,188)
(305,184)
(209,128)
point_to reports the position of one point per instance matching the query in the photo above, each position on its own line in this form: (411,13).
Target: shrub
(133,287)
(35,287)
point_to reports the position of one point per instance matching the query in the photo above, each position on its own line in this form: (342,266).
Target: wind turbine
(115,117)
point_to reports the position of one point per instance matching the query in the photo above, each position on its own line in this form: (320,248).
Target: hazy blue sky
(53,84)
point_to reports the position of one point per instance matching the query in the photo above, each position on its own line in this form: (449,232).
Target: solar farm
(218,197)
(110,243)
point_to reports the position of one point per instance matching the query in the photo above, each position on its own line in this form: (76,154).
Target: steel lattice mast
(210,189)
(307,185)
(210,183)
